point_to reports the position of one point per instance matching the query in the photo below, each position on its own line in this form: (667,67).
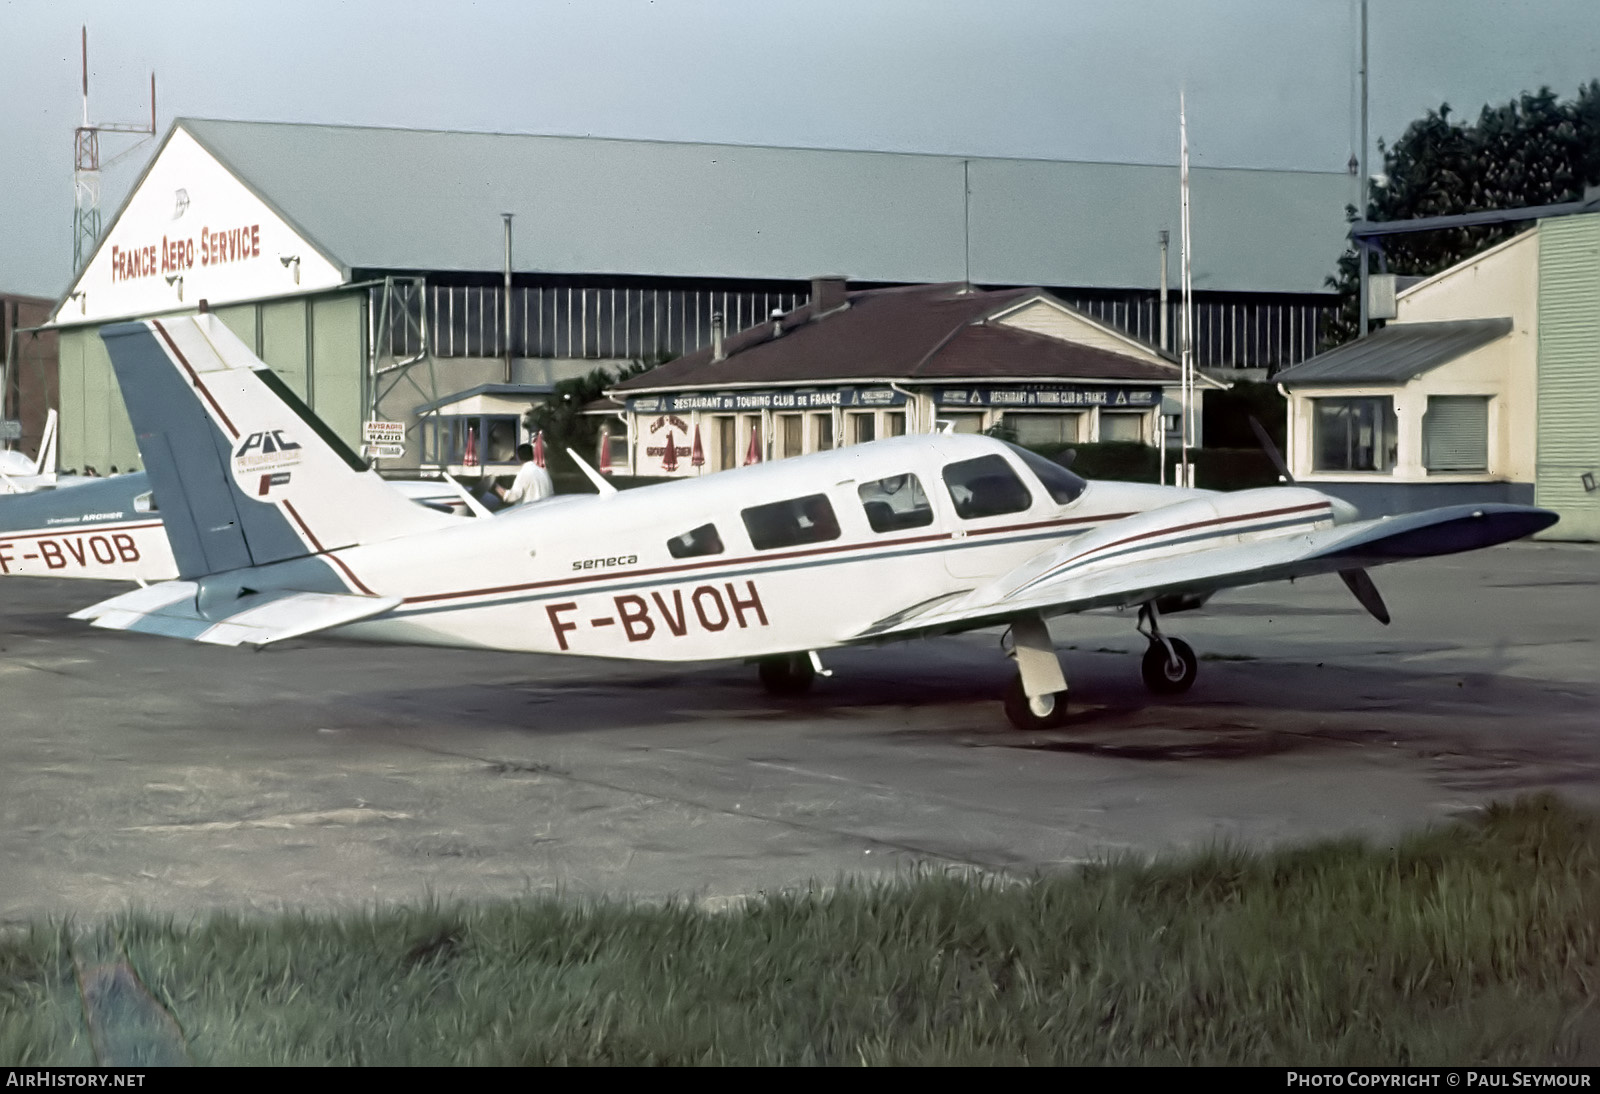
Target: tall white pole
(1187,475)
(1366,174)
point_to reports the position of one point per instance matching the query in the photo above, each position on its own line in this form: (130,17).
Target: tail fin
(244,473)
(46,463)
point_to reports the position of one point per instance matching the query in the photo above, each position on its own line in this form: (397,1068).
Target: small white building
(1485,387)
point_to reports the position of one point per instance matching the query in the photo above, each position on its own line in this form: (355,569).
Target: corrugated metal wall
(642,324)
(316,344)
(1569,374)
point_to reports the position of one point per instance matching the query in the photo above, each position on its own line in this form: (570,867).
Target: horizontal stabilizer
(259,619)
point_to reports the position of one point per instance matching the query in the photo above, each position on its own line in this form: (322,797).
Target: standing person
(532,482)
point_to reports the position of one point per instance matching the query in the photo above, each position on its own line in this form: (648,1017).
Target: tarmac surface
(141,772)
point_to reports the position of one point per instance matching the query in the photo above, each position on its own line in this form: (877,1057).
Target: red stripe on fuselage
(305,530)
(747,559)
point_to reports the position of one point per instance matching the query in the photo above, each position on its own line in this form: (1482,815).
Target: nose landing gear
(1169,665)
(1036,698)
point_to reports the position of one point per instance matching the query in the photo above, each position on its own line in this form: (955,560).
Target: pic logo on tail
(262,461)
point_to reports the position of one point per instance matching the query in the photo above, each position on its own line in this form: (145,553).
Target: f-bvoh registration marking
(709,608)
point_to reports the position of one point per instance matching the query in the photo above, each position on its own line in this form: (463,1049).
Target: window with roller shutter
(1455,433)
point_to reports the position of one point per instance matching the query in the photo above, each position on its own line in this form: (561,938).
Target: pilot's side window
(1062,485)
(985,487)
(788,523)
(895,503)
(695,542)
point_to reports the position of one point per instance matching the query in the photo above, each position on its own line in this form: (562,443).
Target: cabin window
(696,542)
(1354,434)
(1062,485)
(985,487)
(789,523)
(895,503)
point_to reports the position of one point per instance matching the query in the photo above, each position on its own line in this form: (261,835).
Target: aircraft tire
(1020,714)
(1161,676)
(788,674)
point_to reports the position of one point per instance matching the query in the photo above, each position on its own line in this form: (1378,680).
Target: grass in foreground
(1473,943)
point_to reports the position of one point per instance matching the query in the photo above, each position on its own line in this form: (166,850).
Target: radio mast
(86,166)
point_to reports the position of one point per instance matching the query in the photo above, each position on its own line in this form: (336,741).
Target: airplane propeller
(1271,450)
(1357,580)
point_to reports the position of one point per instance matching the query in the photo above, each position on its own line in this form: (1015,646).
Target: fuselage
(93,528)
(800,554)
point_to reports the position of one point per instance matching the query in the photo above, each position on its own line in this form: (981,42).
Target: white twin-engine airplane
(278,531)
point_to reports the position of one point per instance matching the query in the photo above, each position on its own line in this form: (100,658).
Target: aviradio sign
(193,231)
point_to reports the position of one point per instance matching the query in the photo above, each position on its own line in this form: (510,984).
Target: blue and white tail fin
(244,472)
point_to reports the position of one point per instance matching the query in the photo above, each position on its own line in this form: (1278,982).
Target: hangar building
(369,267)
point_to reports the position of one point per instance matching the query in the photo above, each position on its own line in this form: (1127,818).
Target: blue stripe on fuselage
(744,570)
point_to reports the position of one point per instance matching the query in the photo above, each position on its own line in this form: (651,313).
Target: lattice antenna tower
(86,166)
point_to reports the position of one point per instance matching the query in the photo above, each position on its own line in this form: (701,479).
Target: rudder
(244,472)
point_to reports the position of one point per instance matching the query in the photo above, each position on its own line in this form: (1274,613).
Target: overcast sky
(1270,83)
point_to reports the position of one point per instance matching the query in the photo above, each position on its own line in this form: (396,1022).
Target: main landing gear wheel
(1169,674)
(787,674)
(1023,714)
(1169,664)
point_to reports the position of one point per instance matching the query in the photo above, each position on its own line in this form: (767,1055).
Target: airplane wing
(259,619)
(1109,572)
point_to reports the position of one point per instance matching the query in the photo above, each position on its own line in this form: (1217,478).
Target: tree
(1534,150)
(561,417)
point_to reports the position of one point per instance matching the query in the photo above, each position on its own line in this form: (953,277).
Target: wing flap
(259,619)
(1117,583)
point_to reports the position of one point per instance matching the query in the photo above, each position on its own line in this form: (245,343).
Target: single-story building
(1485,387)
(849,367)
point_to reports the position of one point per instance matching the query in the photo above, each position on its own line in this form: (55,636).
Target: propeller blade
(1360,583)
(1270,449)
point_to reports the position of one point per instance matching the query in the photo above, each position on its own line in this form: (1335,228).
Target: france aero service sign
(263,461)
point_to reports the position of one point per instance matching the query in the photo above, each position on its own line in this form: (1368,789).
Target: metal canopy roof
(400,199)
(514,391)
(1396,354)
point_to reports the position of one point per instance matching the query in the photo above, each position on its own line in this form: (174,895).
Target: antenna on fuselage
(600,481)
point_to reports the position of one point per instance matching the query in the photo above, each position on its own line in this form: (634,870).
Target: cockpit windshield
(1062,484)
